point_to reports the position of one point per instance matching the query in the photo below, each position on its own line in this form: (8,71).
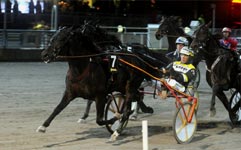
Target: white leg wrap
(82,121)
(41,129)
(114,136)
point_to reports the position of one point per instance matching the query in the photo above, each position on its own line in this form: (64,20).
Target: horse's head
(99,36)
(200,37)
(56,44)
(167,25)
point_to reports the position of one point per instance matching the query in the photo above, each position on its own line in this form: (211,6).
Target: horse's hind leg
(144,108)
(86,114)
(141,104)
(220,94)
(63,103)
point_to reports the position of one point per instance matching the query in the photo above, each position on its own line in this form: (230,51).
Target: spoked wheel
(235,108)
(184,131)
(113,108)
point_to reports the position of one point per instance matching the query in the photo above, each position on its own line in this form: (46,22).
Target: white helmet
(186,51)
(182,40)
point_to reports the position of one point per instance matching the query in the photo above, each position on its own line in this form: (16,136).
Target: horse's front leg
(126,113)
(87,110)
(100,108)
(63,103)
(212,106)
(217,91)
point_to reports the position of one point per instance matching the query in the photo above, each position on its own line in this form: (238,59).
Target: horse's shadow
(133,133)
(210,125)
(130,134)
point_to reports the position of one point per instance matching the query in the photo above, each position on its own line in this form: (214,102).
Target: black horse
(82,75)
(105,41)
(87,69)
(222,73)
(169,27)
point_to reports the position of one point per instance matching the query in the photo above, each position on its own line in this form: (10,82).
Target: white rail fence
(38,39)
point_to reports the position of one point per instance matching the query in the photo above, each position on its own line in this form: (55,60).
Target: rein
(216,62)
(103,54)
(75,57)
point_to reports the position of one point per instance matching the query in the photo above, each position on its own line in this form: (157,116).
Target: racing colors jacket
(229,43)
(182,73)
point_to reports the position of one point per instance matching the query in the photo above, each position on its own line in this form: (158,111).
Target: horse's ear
(208,24)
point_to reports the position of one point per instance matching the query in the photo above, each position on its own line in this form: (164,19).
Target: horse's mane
(61,33)
(99,35)
(174,21)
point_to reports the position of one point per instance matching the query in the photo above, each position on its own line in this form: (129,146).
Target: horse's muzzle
(45,57)
(158,36)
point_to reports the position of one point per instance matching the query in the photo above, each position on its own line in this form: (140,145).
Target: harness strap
(207,68)
(216,62)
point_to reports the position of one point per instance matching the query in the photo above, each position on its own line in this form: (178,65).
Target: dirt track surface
(30,91)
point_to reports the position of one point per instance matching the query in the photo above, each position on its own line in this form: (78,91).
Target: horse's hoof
(41,129)
(148,110)
(212,113)
(133,117)
(81,121)
(114,136)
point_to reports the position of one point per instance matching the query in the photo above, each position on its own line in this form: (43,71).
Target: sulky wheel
(184,131)
(235,108)
(113,108)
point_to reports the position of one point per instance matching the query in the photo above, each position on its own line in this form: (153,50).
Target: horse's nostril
(158,36)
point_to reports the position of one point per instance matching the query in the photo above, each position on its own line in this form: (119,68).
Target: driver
(180,43)
(230,43)
(182,72)
(227,41)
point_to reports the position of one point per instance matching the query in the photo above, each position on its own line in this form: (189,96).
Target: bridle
(56,50)
(202,43)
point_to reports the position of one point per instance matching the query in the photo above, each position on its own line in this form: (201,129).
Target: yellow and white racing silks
(182,73)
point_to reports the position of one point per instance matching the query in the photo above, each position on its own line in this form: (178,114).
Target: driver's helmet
(186,51)
(182,40)
(226,29)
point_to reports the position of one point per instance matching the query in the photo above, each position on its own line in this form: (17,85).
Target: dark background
(131,13)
